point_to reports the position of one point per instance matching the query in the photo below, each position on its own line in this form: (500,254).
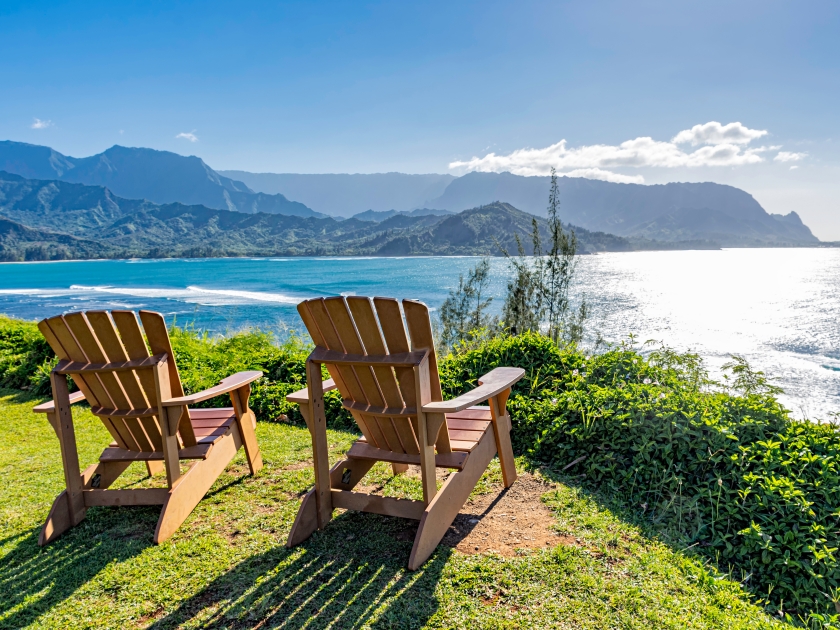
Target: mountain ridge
(95,223)
(140,173)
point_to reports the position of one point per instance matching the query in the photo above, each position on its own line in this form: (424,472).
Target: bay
(779,308)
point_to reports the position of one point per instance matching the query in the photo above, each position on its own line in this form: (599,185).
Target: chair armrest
(301,396)
(226,385)
(492,383)
(49,406)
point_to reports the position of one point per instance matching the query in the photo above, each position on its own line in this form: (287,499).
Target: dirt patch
(507,520)
(503,521)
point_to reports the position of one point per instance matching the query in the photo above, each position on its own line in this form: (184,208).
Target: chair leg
(247,423)
(58,521)
(306,521)
(154,467)
(399,469)
(100,476)
(501,426)
(443,509)
(190,488)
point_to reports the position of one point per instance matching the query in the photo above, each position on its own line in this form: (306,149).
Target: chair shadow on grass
(35,579)
(348,575)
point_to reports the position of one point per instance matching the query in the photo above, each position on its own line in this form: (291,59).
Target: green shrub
(25,357)
(731,473)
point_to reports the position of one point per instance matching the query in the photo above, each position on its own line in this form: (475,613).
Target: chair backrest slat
(363,327)
(346,331)
(102,326)
(340,374)
(367,326)
(78,325)
(129,395)
(420,330)
(158,336)
(63,343)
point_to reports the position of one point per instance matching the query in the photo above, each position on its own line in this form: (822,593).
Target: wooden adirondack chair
(389,383)
(139,398)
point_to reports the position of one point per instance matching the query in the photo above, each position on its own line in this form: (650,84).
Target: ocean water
(780,308)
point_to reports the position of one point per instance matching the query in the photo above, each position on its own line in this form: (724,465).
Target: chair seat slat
(363,450)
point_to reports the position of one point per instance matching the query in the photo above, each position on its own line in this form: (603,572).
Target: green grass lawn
(227,566)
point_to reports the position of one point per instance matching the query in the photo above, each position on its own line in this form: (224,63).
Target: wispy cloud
(723,145)
(41,124)
(788,156)
(188,136)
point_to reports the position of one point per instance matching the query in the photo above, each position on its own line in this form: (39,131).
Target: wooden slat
(205,431)
(491,384)
(471,413)
(420,328)
(462,445)
(393,331)
(465,436)
(363,450)
(356,360)
(378,411)
(466,425)
(216,412)
(136,496)
(90,344)
(339,374)
(103,327)
(301,396)
(225,386)
(158,336)
(388,430)
(387,506)
(123,413)
(135,347)
(368,328)
(204,427)
(49,406)
(345,329)
(108,369)
(89,383)
(116,454)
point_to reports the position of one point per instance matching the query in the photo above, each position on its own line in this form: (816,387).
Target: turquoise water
(778,307)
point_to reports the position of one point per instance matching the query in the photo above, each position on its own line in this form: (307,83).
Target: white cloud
(188,136)
(41,124)
(787,156)
(715,133)
(591,161)
(794,167)
(607,176)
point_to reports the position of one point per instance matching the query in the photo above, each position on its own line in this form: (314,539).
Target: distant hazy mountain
(669,212)
(373,215)
(46,220)
(347,194)
(159,176)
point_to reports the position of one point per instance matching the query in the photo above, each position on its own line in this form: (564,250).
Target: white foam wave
(192,294)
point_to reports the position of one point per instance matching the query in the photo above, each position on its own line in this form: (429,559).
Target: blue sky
(416,87)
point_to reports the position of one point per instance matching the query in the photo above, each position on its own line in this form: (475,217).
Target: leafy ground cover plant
(722,470)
